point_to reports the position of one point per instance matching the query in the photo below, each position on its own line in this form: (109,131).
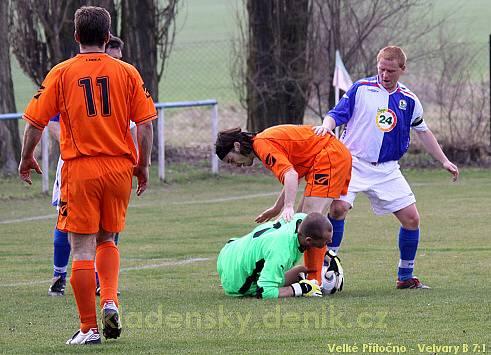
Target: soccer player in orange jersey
(292,152)
(96,95)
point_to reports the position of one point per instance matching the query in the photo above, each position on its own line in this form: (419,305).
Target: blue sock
(61,253)
(97,284)
(408,244)
(337,234)
(116,238)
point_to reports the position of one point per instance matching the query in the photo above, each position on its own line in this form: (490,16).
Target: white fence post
(161,139)
(214,132)
(45,161)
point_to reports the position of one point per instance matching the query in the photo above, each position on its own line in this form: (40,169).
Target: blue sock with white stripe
(408,244)
(337,234)
(61,253)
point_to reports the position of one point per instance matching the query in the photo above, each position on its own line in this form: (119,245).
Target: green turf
(181,308)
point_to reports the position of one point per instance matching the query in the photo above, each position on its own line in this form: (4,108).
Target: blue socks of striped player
(61,253)
(337,234)
(408,244)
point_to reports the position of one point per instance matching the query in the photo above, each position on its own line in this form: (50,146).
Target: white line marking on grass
(130,268)
(215,200)
(28,219)
(164,264)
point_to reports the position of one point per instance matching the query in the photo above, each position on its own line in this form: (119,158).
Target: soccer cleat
(411,283)
(57,287)
(110,321)
(92,337)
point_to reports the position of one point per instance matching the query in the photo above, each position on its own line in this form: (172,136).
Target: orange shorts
(95,192)
(331,173)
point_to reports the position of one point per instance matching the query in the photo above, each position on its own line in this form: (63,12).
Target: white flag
(341,79)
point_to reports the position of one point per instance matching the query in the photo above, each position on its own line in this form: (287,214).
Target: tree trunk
(138,31)
(10,145)
(278,74)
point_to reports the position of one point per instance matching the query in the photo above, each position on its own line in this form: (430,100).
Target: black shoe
(98,291)
(110,321)
(57,287)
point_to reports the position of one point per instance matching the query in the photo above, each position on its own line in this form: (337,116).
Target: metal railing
(160,106)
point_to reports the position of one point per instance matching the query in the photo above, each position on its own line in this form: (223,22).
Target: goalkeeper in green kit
(261,264)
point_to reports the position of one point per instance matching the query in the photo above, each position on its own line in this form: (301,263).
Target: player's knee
(103,237)
(83,247)
(411,221)
(339,209)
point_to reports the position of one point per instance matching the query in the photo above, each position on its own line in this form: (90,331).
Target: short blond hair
(393,53)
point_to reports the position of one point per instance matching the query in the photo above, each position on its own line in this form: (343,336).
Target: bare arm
(134,136)
(32,136)
(433,148)
(54,129)
(328,124)
(290,189)
(286,291)
(272,211)
(145,140)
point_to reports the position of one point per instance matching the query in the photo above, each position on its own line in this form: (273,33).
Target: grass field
(172,302)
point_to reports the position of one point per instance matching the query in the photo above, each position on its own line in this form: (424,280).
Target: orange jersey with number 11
(96,95)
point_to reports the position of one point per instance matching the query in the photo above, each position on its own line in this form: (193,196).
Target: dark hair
(92,25)
(227,138)
(315,225)
(115,42)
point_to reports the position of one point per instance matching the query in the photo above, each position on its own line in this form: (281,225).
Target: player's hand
(452,168)
(321,130)
(141,173)
(287,214)
(268,214)
(25,166)
(307,288)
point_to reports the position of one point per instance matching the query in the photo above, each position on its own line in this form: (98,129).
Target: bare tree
(277,75)
(10,145)
(148,42)
(455,93)
(41,34)
(358,28)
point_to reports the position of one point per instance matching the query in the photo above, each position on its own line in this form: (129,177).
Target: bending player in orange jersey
(96,95)
(292,152)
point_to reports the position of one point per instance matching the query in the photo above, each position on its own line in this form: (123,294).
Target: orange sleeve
(44,105)
(272,157)
(142,106)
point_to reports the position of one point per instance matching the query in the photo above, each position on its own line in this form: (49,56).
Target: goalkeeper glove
(306,288)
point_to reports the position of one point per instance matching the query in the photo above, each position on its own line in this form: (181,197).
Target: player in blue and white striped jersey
(379,113)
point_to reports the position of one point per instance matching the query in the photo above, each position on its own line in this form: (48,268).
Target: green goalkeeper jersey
(255,264)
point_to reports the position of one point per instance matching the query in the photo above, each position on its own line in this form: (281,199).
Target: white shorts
(57,184)
(384,185)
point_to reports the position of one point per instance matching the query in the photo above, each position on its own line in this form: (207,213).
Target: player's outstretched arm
(328,124)
(431,145)
(290,182)
(32,136)
(273,211)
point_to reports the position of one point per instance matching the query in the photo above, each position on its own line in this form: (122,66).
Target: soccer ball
(332,275)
